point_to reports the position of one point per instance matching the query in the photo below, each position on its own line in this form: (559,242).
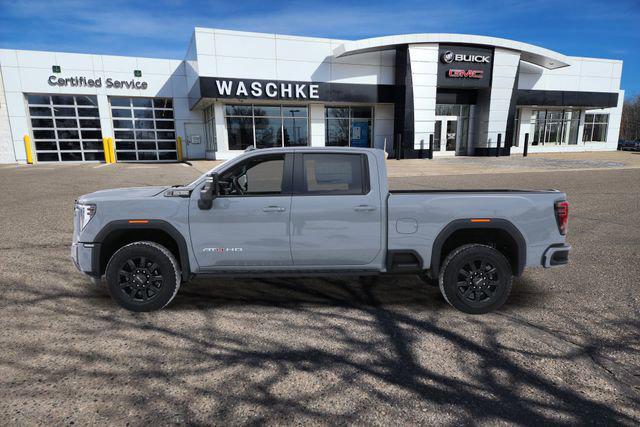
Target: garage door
(65,128)
(144,129)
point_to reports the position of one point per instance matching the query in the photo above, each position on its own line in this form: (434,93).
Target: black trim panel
(565,98)
(154,224)
(206,87)
(456,96)
(466,224)
(397,267)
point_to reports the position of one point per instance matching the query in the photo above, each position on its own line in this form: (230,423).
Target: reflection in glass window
(144,129)
(595,127)
(259,175)
(268,132)
(295,132)
(349,126)
(556,127)
(333,174)
(240,132)
(266,126)
(57,132)
(210,129)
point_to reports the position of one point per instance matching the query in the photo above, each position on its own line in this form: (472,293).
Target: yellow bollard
(179,148)
(107,150)
(27,149)
(112,150)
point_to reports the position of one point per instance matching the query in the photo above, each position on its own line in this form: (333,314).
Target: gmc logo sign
(465,74)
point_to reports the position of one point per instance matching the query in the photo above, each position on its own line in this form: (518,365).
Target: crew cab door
(248,225)
(335,213)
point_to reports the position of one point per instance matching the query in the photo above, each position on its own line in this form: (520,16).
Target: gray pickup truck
(314,212)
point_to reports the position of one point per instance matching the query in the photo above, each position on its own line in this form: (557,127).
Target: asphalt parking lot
(565,348)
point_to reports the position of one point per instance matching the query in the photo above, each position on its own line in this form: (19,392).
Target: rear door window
(332,174)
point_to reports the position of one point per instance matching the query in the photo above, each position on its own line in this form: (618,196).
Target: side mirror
(209,192)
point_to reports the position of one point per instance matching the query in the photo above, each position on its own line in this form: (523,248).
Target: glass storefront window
(268,131)
(267,126)
(556,127)
(349,126)
(595,127)
(240,131)
(210,128)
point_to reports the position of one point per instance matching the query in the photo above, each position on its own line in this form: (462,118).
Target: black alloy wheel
(140,279)
(143,276)
(478,281)
(476,278)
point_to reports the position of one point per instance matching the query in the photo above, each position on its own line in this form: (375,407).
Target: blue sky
(162,28)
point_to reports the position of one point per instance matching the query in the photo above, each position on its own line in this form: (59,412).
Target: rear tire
(476,279)
(143,276)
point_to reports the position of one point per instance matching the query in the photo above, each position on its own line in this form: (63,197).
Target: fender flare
(466,224)
(153,224)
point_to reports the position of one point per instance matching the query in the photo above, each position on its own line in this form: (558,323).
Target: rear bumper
(556,255)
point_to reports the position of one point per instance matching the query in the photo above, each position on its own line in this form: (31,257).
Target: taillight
(562,216)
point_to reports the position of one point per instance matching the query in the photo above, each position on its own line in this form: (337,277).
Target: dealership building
(463,95)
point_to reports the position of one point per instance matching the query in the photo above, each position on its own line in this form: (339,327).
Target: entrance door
(195,140)
(447,138)
(451,135)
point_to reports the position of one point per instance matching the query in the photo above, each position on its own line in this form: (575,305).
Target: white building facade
(460,95)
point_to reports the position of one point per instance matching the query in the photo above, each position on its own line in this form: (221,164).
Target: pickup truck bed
(432,211)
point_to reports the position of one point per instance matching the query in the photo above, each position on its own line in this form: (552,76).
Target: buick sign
(464,67)
(448,57)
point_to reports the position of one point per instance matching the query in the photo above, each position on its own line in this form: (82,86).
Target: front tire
(143,276)
(476,279)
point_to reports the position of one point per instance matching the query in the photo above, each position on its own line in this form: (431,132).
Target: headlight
(86,212)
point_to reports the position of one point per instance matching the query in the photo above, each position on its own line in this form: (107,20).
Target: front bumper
(556,255)
(81,254)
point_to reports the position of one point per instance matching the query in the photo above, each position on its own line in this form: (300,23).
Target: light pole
(295,128)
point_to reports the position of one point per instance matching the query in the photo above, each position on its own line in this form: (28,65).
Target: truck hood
(122,193)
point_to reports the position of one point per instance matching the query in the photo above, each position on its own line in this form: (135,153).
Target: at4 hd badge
(222,250)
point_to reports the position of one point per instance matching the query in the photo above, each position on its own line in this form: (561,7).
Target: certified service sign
(109,83)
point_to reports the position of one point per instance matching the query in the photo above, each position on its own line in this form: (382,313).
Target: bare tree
(630,126)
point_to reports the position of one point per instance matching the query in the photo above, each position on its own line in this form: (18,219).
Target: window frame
(299,183)
(544,120)
(350,119)
(592,125)
(287,175)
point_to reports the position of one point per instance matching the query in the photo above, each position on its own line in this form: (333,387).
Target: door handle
(273,209)
(364,208)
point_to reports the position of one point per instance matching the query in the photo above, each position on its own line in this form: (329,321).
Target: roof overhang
(534,54)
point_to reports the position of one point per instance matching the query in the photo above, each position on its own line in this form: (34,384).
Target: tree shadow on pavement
(313,350)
